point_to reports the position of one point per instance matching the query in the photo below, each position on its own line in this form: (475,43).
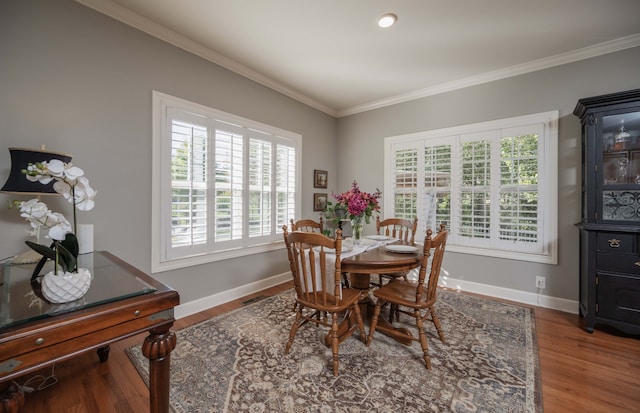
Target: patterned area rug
(235,362)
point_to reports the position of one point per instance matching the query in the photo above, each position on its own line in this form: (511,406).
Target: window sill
(176,264)
(550,258)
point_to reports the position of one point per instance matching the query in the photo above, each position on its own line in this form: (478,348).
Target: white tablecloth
(348,250)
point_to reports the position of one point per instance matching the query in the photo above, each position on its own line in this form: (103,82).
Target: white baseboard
(204,303)
(562,304)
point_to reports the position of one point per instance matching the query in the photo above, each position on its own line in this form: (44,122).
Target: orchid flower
(70,182)
(40,216)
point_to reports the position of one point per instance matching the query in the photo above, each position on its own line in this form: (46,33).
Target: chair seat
(349,296)
(403,293)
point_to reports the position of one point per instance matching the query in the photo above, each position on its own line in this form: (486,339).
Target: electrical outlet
(541,282)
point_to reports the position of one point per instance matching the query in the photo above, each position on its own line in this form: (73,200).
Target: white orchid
(64,250)
(39,216)
(33,209)
(59,226)
(80,194)
(70,182)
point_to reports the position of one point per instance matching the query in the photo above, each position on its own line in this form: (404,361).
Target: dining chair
(315,266)
(416,299)
(307,225)
(398,228)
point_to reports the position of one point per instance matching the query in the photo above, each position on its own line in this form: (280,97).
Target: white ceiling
(331,55)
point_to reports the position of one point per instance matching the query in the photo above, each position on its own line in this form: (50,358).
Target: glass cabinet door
(621,167)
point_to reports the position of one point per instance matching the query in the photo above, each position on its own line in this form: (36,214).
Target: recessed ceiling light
(387,20)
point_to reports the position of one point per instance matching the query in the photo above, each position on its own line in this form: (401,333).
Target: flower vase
(357,225)
(65,286)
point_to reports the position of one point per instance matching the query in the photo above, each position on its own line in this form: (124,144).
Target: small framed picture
(319,202)
(319,179)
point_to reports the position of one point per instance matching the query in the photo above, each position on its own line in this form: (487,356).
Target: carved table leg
(11,398)
(157,348)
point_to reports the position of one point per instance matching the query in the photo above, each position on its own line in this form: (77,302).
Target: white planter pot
(66,287)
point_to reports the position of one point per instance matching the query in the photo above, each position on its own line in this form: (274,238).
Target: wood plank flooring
(581,372)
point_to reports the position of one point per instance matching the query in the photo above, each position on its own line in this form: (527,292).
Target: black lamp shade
(20,159)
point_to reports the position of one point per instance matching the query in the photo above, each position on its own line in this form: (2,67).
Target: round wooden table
(379,261)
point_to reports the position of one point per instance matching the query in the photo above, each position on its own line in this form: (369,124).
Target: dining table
(378,255)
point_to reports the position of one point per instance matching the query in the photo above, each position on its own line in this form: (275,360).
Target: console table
(122,302)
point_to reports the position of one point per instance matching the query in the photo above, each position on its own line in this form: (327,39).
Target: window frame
(546,123)
(162,257)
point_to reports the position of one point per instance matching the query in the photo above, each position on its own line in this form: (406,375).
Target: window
(493,183)
(223,186)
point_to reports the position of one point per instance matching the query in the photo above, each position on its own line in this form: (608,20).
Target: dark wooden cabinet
(610,225)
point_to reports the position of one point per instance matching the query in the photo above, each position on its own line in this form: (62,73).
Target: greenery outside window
(493,183)
(223,186)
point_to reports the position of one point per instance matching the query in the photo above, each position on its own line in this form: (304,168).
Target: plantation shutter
(494,185)
(189,148)
(285,185)
(437,184)
(474,189)
(229,184)
(405,181)
(260,178)
(520,225)
(223,186)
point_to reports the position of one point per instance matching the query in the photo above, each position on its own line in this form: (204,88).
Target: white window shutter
(494,185)
(223,186)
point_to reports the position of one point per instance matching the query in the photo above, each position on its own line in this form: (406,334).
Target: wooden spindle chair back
(314,260)
(398,228)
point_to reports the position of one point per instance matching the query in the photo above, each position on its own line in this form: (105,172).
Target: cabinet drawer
(626,263)
(617,242)
(618,298)
(139,315)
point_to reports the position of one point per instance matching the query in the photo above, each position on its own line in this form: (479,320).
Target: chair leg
(363,333)
(294,330)
(394,312)
(334,342)
(374,321)
(345,280)
(423,339)
(436,322)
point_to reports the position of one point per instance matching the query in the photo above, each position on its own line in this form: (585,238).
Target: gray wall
(556,88)
(80,83)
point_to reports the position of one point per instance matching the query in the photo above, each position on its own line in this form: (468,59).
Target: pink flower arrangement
(358,203)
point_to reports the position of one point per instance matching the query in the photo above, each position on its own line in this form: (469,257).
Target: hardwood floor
(581,372)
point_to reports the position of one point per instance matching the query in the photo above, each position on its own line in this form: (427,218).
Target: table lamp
(18,184)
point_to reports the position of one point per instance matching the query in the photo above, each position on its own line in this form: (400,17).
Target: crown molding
(141,23)
(533,66)
(145,25)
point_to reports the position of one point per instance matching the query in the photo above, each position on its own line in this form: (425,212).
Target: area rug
(235,362)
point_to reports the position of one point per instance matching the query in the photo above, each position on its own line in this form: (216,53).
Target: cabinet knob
(614,243)
(637,264)
(136,313)
(39,341)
